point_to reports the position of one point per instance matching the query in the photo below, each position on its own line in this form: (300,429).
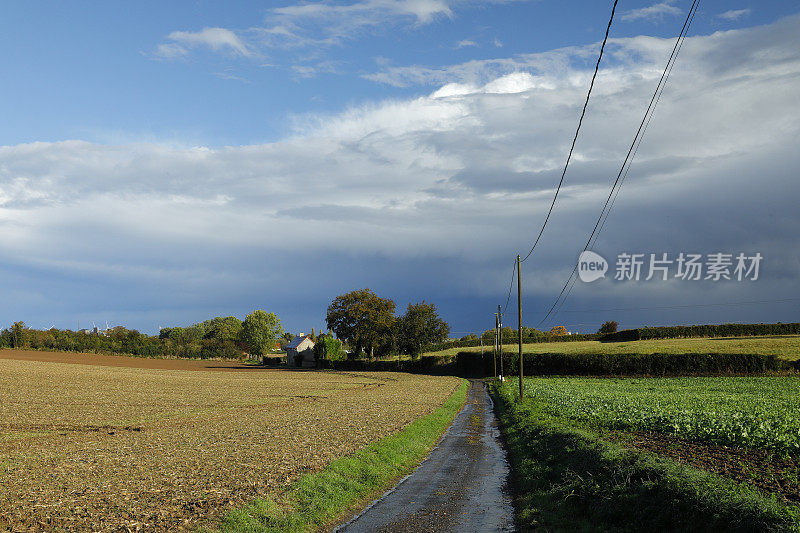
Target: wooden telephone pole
(494,347)
(500,337)
(519,322)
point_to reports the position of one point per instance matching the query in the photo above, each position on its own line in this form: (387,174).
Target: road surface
(461,486)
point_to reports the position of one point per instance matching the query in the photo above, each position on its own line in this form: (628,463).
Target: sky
(164,163)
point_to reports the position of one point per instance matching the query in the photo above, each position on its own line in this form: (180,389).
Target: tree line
(223,337)
(365,322)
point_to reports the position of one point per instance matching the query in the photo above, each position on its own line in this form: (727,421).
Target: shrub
(608,327)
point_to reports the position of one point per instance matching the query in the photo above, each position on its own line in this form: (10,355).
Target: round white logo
(591,266)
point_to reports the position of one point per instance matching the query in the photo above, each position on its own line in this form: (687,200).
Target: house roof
(295,342)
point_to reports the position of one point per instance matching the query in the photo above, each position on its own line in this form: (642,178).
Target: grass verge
(567,479)
(318,498)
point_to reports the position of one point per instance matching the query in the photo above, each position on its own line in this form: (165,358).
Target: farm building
(300,352)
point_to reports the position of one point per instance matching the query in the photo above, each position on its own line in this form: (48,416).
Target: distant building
(300,352)
(93,331)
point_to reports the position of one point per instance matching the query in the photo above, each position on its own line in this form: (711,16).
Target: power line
(511,286)
(575,138)
(639,143)
(634,145)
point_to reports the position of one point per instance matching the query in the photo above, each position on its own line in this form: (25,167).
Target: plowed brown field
(105,446)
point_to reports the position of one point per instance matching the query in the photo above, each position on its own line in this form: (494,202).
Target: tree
(608,327)
(328,348)
(362,319)
(19,332)
(558,331)
(221,337)
(259,331)
(419,327)
(531,333)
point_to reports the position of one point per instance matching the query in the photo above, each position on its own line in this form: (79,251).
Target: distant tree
(288,336)
(558,331)
(419,327)
(259,331)
(19,334)
(363,319)
(531,333)
(608,327)
(327,347)
(223,329)
(222,337)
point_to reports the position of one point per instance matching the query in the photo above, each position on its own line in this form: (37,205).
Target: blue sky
(165,162)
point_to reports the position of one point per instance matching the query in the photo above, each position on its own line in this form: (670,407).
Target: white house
(300,352)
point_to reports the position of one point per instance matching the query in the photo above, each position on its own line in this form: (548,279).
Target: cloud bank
(428,197)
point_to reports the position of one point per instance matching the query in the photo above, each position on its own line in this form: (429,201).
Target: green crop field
(783,346)
(757,412)
(654,454)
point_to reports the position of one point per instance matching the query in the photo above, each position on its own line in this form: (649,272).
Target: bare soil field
(149,445)
(121,360)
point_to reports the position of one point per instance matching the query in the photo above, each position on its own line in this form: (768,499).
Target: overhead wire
(569,155)
(636,150)
(577,130)
(510,286)
(634,145)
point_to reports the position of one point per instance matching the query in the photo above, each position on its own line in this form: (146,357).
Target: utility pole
(519,322)
(500,337)
(494,348)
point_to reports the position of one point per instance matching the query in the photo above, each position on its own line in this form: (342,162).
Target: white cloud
(470,167)
(365,13)
(734,14)
(216,39)
(652,12)
(312,71)
(317,26)
(554,62)
(466,43)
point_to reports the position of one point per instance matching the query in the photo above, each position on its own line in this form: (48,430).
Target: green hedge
(474,364)
(709,330)
(440,365)
(471,343)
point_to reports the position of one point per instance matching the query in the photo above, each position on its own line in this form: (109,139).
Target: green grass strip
(567,479)
(319,498)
